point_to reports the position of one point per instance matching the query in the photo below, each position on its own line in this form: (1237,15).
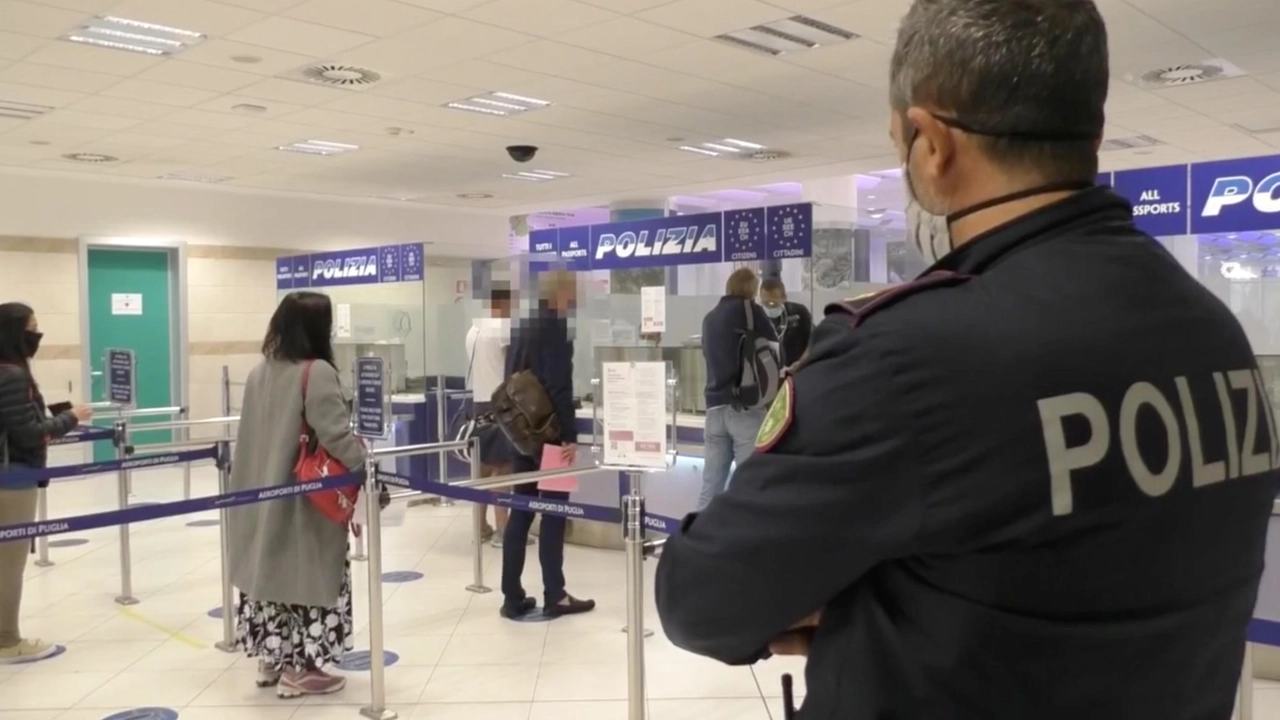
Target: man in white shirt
(487,343)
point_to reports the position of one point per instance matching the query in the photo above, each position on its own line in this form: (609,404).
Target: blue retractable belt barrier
(89,434)
(563,508)
(163,510)
(26,476)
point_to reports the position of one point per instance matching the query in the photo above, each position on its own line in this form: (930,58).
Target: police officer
(1033,484)
(791,321)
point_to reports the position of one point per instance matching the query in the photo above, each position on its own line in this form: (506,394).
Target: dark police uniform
(1033,485)
(794,329)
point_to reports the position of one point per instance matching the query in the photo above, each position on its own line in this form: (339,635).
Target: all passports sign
(364,266)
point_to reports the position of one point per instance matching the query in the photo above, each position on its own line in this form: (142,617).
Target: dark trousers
(550,550)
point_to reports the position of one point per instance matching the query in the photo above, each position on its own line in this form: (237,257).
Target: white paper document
(653,309)
(126,303)
(635,414)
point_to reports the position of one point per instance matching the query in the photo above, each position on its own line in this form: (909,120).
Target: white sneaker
(26,651)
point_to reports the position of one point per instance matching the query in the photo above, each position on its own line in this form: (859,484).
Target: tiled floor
(458,659)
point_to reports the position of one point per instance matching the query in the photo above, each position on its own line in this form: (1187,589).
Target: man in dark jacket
(1034,483)
(543,344)
(730,430)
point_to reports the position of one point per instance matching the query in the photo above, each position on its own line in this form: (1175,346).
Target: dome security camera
(522,153)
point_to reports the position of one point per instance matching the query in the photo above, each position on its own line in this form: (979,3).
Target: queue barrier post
(185,435)
(442,426)
(42,542)
(228,642)
(123,484)
(633,538)
(377,709)
(477,529)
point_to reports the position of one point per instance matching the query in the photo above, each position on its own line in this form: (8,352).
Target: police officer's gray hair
(1010,67)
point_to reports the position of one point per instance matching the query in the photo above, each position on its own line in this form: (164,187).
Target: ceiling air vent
(91,158)
(790,35)
(1129,143)
(1186,74)
(763,155)
(341,75)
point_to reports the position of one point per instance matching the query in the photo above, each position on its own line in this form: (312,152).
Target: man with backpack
(740,348)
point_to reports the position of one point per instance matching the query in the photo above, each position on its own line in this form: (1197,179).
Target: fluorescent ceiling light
(792,34)
(137,36)
(722,148)
(196,177)
(526,178)
(475,108)
(319,147)
(522,98)
(700,151)
(552,173)
(115,45)
(744,144)
(22,111)
(499,103)
(1129,143)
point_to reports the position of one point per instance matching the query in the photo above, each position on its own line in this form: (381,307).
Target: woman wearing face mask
(25,431)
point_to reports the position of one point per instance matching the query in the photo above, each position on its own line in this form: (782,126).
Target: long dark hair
(14,318)
(301,329)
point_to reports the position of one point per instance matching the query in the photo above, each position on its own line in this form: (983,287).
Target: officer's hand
(797,640)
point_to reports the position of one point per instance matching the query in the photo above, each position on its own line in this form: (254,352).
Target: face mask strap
(1020,195)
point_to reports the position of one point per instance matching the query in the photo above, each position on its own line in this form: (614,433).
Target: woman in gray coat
(287,559)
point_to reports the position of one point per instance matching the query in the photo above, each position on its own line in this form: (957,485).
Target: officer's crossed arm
(832,490)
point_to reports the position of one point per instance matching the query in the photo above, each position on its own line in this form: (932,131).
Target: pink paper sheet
(551,460)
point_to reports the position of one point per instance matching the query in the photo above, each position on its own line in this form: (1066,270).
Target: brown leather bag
(522,408)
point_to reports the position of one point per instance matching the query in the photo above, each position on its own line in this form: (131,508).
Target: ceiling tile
(707,18)
(807,6)
(39,20)
(168,129)
(200,77)
(92,120)
(299,37)
(553,58)
(490,76)
(293,91)
(445,6)
(326,119)
(106,105)
(87,7)
(203,16)
(445,42)
(219,53)
(57,78)
(16,47)
(37,95)
(379,18)
(211,120)
(862,61)
(422,90)
(874,19)
(626,7)
(267,6)
(93,59)
(543,18)
(228,103)
(625,37)
(160,93)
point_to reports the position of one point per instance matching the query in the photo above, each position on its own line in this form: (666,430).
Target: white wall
(62,206)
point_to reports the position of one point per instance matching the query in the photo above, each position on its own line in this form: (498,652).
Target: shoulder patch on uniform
(859,308)
(778,420)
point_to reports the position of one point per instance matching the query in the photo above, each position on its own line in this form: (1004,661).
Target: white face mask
(931,233)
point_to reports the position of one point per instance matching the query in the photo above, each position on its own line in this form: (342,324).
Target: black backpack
(760,373)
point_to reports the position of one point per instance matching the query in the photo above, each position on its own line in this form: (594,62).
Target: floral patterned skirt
(296,637)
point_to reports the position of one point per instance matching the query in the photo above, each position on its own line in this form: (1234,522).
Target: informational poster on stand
(371,402)
(121,381)
(653,309)
(635,414)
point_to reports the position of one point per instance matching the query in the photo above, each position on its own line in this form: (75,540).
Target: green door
(143,327)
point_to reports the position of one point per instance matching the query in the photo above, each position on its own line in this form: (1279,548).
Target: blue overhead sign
(784,231)
(1159,198)
(391,263)
(1236,195)
(657,242)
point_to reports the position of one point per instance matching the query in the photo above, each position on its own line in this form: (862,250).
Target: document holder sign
(371,402)
(635,414)
(121,381)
